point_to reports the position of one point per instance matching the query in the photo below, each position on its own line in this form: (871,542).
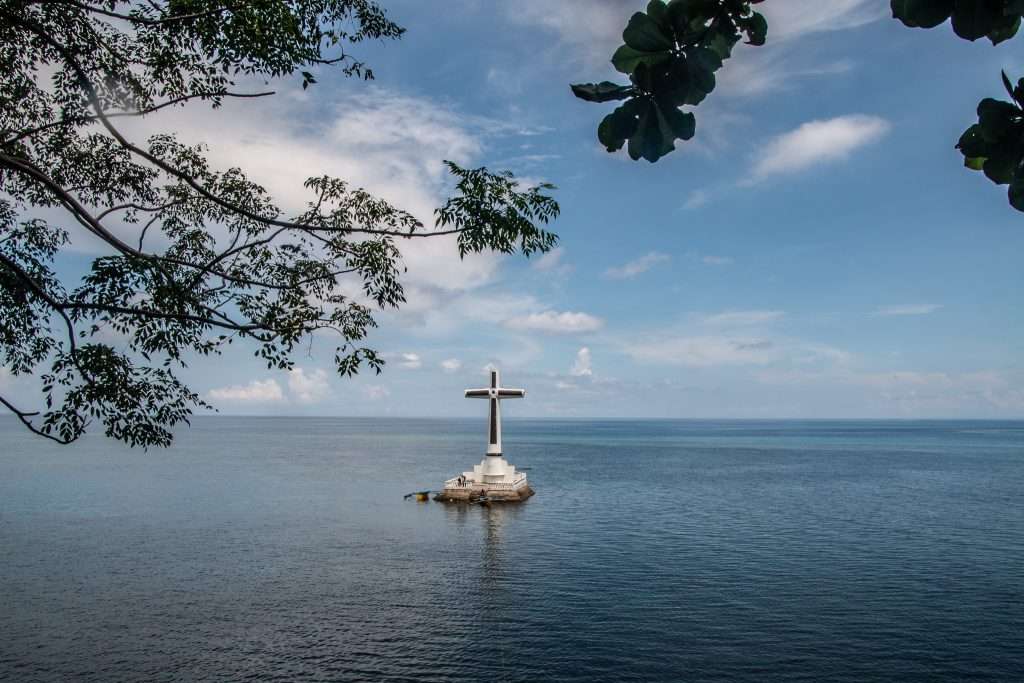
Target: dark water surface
(281,549)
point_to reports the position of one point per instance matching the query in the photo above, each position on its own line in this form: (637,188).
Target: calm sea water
(281,549)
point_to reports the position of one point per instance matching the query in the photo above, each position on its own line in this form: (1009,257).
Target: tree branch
(42,294)
(141,112)
(138,19)
(23,416)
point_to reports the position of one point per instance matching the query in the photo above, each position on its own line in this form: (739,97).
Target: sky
(818,250)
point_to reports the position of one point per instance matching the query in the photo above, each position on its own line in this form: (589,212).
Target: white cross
(495,393)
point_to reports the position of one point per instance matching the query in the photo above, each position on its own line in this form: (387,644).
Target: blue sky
(816,251)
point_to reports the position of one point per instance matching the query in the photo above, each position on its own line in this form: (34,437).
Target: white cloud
(697,199)
(406,360)
(908,309)
(717,260)
(722,350)
(758,72)
(637,266)
(390,144)
(551,262)
(309,387)
(816,353)
(731,318)
(553,322)
(517,352)
(468,312)
(782,62)
(788,19)
(590,29)
(818,142)
(376,392)
(451,365)
(751,71)
(410,361)
(256,391)
(582,365)
(593,38)
(915,393)
(431,314)
(705,351)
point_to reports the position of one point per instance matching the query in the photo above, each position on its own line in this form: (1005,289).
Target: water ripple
(654,551)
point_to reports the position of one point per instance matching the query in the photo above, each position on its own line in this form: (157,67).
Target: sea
(283,549)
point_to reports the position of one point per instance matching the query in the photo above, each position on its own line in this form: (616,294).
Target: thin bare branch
(23,416)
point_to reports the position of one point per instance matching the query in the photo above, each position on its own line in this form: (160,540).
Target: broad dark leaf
(644,34)
(671,54)
(626,59)
(973,19)
(995,145)
(604,91)
(1016,194)
(996,119)
(922,13)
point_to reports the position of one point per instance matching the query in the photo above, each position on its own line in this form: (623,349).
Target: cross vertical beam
(495,394)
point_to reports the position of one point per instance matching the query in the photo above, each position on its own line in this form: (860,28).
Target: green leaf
(974,163)
(646,141)
(996,118)
(671,54)
(644,78)
(658,11)
(619,126)
(606,134)
(688,16)
(644,34)
(605,91)
(1004,30)
(683,125)
(922,13)
(973,144)
(674,84)
(1016,194)
(721,43)
(707,58)
(626,59)
(973,19)
(757,29)
(702,77)
(1000,167)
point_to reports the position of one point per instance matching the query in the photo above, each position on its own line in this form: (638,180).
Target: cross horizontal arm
(511,393)
(478,393)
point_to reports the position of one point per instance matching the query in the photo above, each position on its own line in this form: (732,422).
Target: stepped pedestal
(494,477)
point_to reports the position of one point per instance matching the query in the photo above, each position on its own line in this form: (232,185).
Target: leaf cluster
(492,211)
(196,258)
(670,53)
(995,144)
(998,20)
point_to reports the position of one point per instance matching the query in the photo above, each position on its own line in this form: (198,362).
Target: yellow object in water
(423,496)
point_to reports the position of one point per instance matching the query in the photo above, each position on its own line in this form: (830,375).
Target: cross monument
(494,477)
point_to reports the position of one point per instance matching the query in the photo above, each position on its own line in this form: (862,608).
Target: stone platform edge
(468,495)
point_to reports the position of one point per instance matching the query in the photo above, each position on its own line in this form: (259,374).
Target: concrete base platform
(470,495)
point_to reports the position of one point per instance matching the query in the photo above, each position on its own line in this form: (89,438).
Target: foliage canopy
(195,257)
(672,51)
(671,54)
